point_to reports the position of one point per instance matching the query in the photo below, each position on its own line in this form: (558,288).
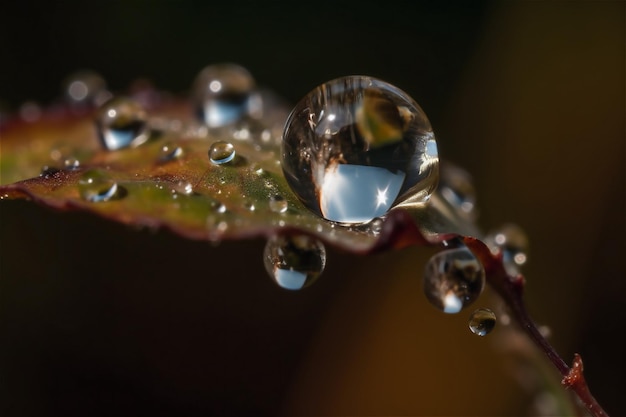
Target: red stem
(511,290)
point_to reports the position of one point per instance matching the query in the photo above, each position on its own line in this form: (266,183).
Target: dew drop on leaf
(95,186)
(482,321)
(170,151)
(71,164)
(121,122)
(453,279)
(221,152)
(224,94)
(48,171)
(294,262)
(278,204)
(512,242)
(356,146)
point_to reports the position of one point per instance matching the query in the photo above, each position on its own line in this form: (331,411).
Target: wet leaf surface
(169,181)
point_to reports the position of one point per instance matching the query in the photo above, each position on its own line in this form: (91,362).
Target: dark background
(529,96)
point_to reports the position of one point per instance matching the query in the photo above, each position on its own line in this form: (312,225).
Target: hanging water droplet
(453,279)
(85,88)
(278,204)
(457,188)
(224,94)
(121,123)
(512,242)
(482,321)
(294,262)
(96,187)
(355,147)
(221,152)
(170,151)
(71,164)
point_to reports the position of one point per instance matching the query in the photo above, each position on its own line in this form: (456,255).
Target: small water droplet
(278,204)
(482,321)
(224,94)
(453,279)
(457,188)
(221,152)
(294,262)
(84,88)
(121,123)
(71,164)
(48,171)
(355,147)
(248,205)
(183,187)
(96,187)
(169,152)
(218,206)
(512,242)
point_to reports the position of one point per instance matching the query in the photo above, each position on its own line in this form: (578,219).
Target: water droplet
(71,164)
(457,188)
(170,151)
(248,205)
(294,262)
(482,321)
(183,187)
(48,172)
(221,152)
(224,94)
(218,206)
(85,88)
(96,187)
(278,204)
(453,279)
(121,123)
(512,242)
(355,147)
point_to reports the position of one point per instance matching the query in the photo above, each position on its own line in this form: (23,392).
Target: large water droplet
(294,262)
(457,188)
(356,146)
(512,242)
(221,152)
(224,94)
(482,321)
(453,279)
(121,123)
(96,187)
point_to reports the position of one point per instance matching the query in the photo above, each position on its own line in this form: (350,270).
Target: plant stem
(511,290)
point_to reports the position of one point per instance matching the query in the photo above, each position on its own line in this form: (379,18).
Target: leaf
(227,201)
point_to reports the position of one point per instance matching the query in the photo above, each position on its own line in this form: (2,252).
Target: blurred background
(529,97)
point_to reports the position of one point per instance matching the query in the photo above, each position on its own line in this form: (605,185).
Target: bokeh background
(99,319)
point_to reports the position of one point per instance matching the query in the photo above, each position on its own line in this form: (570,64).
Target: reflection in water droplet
(224,94)
(482,321)
(453,279)
(71,164)
(221,152)
(294,262)
(96,187)
(85,88)
(457,188)
(512,242)
(356,146)
(121,123)
(170,151)
(278,204)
